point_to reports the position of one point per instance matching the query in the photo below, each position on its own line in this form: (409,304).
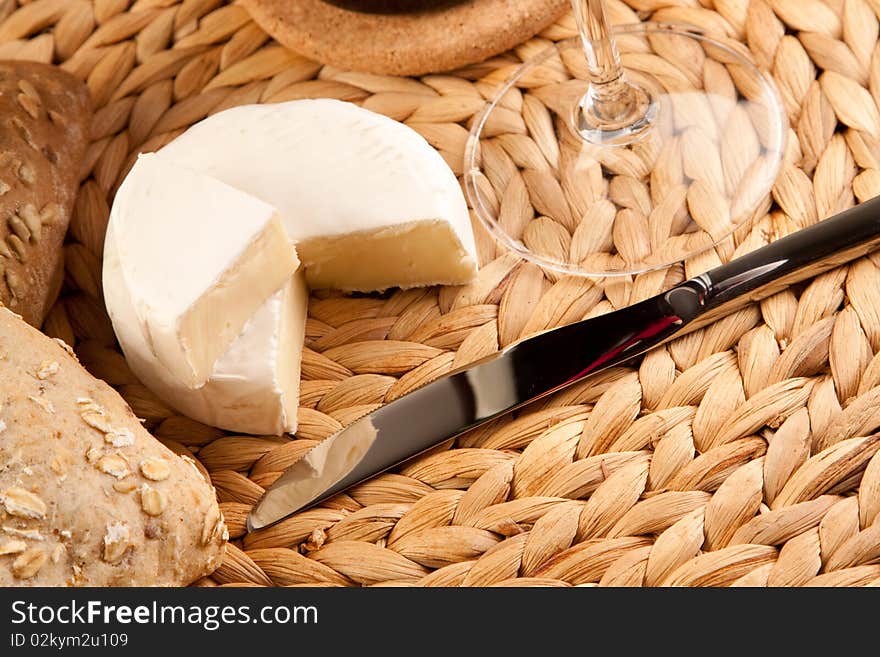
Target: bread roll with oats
(44,123)
(87,496)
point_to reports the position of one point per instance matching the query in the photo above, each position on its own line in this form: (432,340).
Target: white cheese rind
(254,386)
(198,258)
(343,177)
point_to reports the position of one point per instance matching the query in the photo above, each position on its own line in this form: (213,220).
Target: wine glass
(633,151)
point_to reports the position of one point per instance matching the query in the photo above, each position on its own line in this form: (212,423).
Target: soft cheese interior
(370,204)
(255,385)
(222,253)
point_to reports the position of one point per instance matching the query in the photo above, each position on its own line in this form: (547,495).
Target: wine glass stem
(610,96)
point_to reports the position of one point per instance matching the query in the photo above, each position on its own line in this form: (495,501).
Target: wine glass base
(579,195)
(623,130)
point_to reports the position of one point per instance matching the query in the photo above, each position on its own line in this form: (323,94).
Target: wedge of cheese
(197,258)
(254,385)
(370,204)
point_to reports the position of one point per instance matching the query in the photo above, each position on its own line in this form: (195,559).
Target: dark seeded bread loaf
(44,123)
(87,496)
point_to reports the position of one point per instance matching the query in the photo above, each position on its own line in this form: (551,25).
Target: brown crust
(87,496)
(44,121)
(404,44)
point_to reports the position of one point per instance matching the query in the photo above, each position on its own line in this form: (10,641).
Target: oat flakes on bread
(44,125)
(87,496)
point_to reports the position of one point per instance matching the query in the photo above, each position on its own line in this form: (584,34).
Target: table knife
(549,361)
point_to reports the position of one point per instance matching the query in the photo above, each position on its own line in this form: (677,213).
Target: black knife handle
(550,361)
(770,269)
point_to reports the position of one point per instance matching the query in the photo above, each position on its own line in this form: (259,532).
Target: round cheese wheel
(367,201)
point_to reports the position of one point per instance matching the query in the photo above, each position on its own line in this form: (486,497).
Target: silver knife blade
(470,396)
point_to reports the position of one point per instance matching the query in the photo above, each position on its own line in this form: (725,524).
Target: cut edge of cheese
(420,253)
(194,302)
(288,366)
(218,317)
(254,387)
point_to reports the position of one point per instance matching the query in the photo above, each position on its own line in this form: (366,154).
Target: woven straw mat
(741,454)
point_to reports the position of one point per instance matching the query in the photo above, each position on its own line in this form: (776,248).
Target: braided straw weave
(740,454)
